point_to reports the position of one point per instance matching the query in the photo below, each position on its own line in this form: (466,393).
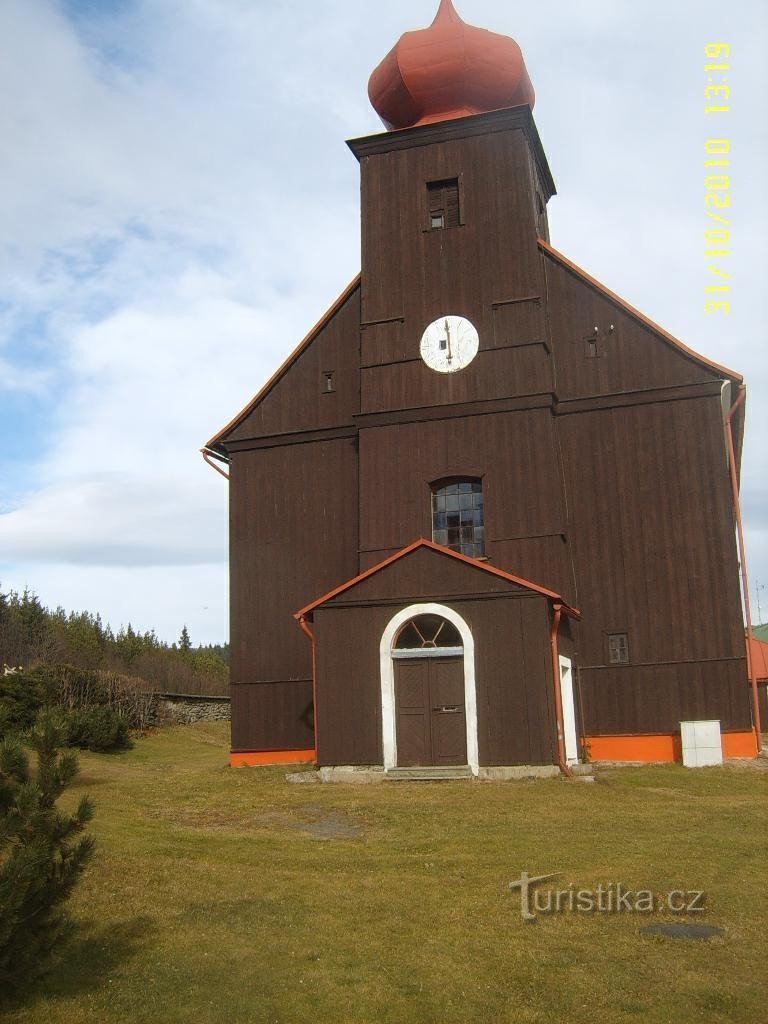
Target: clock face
(449,343)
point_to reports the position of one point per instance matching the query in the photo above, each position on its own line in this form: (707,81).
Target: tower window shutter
(443,203)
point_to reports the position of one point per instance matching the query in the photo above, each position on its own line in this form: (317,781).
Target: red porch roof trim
(641,317)
(284,367)
(422,542)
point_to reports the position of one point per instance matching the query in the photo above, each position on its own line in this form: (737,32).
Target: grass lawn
(227,895)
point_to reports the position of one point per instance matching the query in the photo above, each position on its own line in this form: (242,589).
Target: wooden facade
(598,438)
(510,625)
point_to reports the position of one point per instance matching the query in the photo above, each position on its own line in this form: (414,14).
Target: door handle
(448,709)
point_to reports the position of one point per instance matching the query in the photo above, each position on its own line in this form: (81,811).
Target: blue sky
(162,247)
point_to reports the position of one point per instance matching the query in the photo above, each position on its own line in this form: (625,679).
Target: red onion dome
(448,70)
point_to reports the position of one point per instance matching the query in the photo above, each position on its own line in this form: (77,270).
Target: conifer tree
(42,851)
(185,643)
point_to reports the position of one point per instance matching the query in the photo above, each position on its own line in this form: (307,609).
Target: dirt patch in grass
(315,822)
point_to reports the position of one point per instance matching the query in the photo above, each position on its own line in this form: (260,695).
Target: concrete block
(356,775)
(507,773)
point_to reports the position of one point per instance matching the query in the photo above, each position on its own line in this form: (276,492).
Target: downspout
(742,558)
(210,462)
(308,632)
(561,759)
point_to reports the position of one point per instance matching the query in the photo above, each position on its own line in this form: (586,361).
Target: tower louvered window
(443,199)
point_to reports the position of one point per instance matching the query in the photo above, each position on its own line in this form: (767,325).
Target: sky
(178,207)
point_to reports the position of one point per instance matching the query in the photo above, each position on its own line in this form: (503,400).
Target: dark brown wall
(516,721)
(649,498)
(654,550)
(515,454)
(292,538)
(348,684)
(656,698)
(272,716)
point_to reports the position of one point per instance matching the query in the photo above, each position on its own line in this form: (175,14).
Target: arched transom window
(457,515)
(425,632)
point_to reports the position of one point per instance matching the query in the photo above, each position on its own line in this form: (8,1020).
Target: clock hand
(448,338)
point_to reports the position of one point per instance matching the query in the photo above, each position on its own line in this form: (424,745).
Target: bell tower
(453,197)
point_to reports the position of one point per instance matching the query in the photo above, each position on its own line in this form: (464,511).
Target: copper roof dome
(448,70)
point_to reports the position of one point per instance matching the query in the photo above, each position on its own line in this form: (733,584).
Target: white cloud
(116,519)
(179,207)
(21,378)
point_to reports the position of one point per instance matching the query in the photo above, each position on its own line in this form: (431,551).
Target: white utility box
(702,745)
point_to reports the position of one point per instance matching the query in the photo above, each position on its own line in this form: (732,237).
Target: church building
(485,514)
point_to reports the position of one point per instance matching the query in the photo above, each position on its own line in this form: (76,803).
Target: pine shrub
(97,728)
(22,695)
(42,851)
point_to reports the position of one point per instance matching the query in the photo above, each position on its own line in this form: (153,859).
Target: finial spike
(446,12)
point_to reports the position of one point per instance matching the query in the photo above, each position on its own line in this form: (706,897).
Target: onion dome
(450,69)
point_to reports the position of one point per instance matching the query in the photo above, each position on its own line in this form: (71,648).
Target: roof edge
(452,128)
(305,342)
(636,314)
(307,610)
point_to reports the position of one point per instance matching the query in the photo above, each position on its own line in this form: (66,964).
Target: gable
(425,570)
(296,397)
(636,355)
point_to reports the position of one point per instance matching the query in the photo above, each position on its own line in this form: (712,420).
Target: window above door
(458,515)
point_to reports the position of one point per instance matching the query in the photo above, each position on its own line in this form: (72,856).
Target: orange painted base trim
(663,747)
(740,744)
(263,757)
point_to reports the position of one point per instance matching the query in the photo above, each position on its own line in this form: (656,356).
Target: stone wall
(184,708)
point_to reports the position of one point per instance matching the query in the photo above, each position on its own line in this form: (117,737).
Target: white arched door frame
(387,670)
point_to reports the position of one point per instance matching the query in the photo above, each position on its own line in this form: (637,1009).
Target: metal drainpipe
(210,462)
(742,558)
(561,758)
(308,632)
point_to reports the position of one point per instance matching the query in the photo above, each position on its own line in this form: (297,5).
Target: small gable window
(457,515)
(443,202)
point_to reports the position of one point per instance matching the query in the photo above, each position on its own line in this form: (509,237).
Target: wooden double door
(431,717)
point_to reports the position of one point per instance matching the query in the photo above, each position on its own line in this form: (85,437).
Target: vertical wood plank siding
(610,487)
(513,677)
(293,536)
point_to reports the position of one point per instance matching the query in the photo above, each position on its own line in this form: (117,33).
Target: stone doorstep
(432,773)
(511,773)
(357,775)
(371,774)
